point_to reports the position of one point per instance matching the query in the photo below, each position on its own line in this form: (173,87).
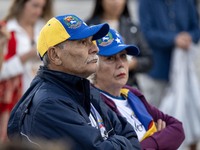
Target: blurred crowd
(156,27)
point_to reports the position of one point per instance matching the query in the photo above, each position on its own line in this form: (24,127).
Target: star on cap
(117,34)
(118,40)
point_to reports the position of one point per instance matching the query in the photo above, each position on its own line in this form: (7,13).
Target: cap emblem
(72,22)
(106,40)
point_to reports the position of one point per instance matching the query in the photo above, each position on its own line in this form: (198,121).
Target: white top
(13,66)
(126,111)
(97,122)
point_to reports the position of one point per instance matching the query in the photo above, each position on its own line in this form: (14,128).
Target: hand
(32,54)
(160,125)
(183,40)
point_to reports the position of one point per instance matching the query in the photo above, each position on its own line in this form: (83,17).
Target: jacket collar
(60,78)
(76,86)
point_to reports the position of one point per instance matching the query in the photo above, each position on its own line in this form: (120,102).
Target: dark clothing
(57,106)
(173,133)
(132,35)
(161,21)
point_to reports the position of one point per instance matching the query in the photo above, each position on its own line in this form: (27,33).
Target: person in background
(1,58)
(60,103)
(4,36)
(197,4)
(24,20)
(117,15)
(167,24)
(155,130)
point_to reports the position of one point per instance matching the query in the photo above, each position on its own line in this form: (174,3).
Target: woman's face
(33,9)
(113,8)
(112,72)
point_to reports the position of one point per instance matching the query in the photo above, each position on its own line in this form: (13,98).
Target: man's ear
(54,57)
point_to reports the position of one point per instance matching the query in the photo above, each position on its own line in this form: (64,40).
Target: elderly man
(60,103)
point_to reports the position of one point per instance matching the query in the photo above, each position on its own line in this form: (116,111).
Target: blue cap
(67,27)
(78,29)
(113,43)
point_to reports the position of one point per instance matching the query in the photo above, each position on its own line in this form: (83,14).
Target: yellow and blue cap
(113,43)
(67,27)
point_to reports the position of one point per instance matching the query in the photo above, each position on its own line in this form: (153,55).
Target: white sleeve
(11,68)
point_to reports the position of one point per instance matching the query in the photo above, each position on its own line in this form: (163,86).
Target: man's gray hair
(45,58)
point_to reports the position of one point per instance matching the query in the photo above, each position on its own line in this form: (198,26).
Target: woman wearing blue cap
(154,129)
(121,20)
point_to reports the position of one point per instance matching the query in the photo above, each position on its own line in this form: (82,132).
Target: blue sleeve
(154,37)
(64,121)
(121,126)
(155,23)
(194,22)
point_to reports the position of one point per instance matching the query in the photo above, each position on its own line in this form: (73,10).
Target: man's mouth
(93,60)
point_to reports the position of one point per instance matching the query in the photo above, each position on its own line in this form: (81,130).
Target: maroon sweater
(169,138)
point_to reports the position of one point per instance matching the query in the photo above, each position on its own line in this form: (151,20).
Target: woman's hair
(98,9)
(17,7)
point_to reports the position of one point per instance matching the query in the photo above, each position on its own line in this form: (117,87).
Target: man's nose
(93,48)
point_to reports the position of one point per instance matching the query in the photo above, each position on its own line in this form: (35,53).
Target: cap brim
(97,31)
(131,50)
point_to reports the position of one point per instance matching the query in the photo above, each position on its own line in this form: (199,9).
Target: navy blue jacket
(57,106)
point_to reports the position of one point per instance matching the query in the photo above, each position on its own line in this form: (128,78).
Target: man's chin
(91,70)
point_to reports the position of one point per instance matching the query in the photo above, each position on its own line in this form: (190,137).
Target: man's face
(79,57)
